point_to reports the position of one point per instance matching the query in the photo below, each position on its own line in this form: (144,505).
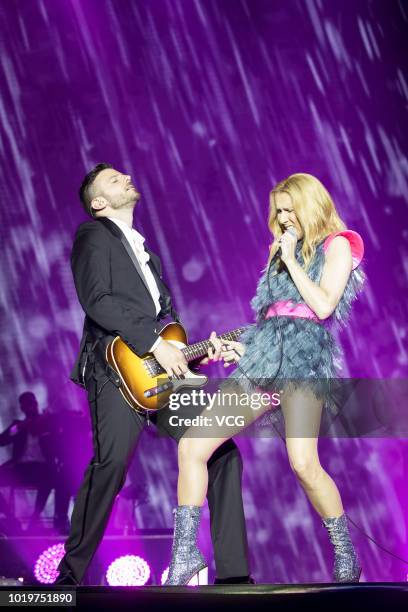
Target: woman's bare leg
(194,452)
(302,414)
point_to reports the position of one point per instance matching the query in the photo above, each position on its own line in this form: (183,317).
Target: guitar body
(140,374)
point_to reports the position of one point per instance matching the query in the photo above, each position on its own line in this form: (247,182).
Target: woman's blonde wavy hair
(314,209)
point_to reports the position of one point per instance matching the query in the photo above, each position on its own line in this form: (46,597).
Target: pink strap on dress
(356,244)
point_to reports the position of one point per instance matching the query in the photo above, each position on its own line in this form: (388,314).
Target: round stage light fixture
(164,575)
(45,569)
(129,570)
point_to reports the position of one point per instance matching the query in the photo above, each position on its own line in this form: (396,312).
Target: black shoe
(235,580)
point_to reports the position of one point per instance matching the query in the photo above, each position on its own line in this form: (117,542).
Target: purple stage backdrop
(208,103)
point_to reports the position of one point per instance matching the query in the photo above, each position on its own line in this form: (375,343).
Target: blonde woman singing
(311,279)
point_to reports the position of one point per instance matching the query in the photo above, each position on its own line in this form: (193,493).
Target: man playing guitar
(119,286)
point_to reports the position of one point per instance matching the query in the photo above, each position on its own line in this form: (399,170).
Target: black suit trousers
(116,429)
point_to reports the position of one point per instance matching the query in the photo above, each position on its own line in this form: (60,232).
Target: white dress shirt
(136,241)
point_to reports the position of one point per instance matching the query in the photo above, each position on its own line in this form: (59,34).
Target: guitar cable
(259,319)
(262,317)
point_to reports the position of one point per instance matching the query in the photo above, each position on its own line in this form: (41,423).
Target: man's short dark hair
(85,189)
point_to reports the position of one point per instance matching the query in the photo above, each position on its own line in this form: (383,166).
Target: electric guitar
(144,384)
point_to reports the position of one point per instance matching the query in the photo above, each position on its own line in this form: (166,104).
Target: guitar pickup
(159,389)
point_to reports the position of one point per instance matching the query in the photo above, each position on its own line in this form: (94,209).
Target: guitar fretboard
(199,349)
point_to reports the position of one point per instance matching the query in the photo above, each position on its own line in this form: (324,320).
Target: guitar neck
(199,349)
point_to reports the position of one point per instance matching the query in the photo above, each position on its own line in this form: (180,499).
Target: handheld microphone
(262,312)
(292,231)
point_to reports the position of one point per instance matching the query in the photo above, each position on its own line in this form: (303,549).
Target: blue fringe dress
(284,350)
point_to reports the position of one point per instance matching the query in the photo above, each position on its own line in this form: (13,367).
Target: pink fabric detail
(356,243)
(288,308)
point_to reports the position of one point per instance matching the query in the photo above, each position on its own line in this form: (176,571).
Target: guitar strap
(94,351)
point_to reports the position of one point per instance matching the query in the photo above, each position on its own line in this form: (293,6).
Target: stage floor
(375,596)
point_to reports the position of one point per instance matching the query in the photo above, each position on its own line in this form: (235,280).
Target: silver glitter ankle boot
(347,567)
(186,559)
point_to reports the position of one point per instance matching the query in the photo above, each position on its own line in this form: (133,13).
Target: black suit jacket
(113,293)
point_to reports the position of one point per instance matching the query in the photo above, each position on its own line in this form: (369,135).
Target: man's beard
(126,202)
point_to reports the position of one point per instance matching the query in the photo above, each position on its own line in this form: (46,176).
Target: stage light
(193,581)
(128,570)
(45,569)
(164,575)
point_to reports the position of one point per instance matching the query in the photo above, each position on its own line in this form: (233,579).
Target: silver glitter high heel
(347,567)
(187,562)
